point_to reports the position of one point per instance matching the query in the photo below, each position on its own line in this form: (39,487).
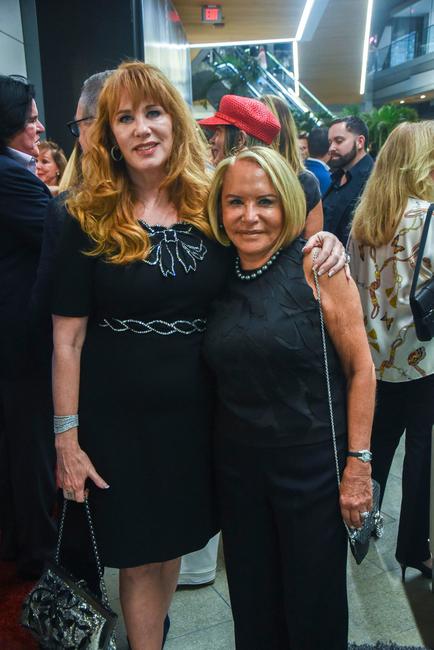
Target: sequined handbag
(373,524)
(61,612)
(422,302)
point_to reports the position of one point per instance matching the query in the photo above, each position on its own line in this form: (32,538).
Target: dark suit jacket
(43,288)
(23,205)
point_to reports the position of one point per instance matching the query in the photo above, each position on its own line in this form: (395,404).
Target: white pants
(200,566)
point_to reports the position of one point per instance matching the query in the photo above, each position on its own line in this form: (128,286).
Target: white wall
(12,59)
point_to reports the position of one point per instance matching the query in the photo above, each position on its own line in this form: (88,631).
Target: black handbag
(61,612)
(422,302)
(373,523)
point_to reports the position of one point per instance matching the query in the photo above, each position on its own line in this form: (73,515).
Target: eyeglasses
(73,125)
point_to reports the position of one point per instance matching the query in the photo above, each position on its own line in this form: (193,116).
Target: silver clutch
(62,614)
(60,611)
(373,525)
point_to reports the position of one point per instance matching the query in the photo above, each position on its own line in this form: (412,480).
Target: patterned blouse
(383,276)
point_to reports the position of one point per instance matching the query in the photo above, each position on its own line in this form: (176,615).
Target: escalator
(218,72)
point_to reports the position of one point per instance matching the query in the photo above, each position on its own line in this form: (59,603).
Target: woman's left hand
(332,257)
(355,492)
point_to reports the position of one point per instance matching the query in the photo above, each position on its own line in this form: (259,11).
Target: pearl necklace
(258,272)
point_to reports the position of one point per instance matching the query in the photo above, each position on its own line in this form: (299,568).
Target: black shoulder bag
(422,302)
(62,614)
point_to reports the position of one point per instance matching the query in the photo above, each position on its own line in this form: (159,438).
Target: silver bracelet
(63,423)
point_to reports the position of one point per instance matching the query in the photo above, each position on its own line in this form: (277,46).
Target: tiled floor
(381,606)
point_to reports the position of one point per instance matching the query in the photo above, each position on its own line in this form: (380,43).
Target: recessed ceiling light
(402,101)
(422,96)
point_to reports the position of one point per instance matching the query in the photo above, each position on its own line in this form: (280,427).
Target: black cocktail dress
(145,399)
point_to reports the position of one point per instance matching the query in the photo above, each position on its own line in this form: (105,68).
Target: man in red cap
(240,122)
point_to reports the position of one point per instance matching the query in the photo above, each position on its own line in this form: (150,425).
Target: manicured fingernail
(330,273)
(320,272)
(106,486)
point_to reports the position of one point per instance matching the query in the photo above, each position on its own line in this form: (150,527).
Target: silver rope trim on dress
(161,327)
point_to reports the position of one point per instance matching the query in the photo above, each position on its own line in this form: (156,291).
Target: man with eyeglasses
(27,484)
(79,127)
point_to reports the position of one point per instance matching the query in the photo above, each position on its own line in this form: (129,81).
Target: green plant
(381,121)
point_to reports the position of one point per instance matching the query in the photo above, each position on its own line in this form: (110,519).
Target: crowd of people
(161,355)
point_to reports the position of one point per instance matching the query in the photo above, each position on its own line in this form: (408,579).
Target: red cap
(247,114)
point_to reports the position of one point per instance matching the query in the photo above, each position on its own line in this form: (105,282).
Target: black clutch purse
(373,524)
(60,611)
(422,302)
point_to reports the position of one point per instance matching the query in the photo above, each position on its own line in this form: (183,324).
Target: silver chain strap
(102,584)
(329,390)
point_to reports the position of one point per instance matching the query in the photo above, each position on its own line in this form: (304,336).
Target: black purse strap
(421,250)
(102,584)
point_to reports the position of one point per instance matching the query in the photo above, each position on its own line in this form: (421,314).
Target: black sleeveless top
(263,343)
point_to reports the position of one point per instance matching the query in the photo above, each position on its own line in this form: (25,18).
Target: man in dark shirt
(351,166)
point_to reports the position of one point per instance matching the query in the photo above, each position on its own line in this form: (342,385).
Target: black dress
(145,398)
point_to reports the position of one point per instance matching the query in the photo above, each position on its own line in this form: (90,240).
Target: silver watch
(364,455)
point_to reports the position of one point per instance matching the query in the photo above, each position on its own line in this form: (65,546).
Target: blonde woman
(50,165)
(287,144)
(385,235)
(278,496)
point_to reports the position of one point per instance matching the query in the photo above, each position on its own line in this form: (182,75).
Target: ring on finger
(364,515)
(69,494)
(347,258)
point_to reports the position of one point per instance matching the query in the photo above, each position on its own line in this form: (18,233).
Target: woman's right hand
(74,467)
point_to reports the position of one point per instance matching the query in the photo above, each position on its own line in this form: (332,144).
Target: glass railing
(401,50)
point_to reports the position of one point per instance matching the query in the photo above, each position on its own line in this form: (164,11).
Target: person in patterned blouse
(384,244)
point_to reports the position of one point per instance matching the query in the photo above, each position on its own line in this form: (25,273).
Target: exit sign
(212,14)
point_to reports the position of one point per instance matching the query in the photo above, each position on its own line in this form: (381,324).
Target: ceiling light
(422,96)
(300,29)
(232,43)
(402,101)
(366,46)
(304,18)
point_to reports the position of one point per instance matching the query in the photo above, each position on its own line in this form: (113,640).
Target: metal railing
(401,50)
(274,79)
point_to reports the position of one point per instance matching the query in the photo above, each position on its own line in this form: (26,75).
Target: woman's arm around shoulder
(343,319)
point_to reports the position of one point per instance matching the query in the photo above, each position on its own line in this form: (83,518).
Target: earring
(116,153)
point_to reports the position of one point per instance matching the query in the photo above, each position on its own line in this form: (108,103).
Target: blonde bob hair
(285,184)
(403,168)
(286,141)
(104,202)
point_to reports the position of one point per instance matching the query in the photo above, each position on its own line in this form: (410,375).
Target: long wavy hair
(403,168)
(284,182)
(104,203)
(286,141)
